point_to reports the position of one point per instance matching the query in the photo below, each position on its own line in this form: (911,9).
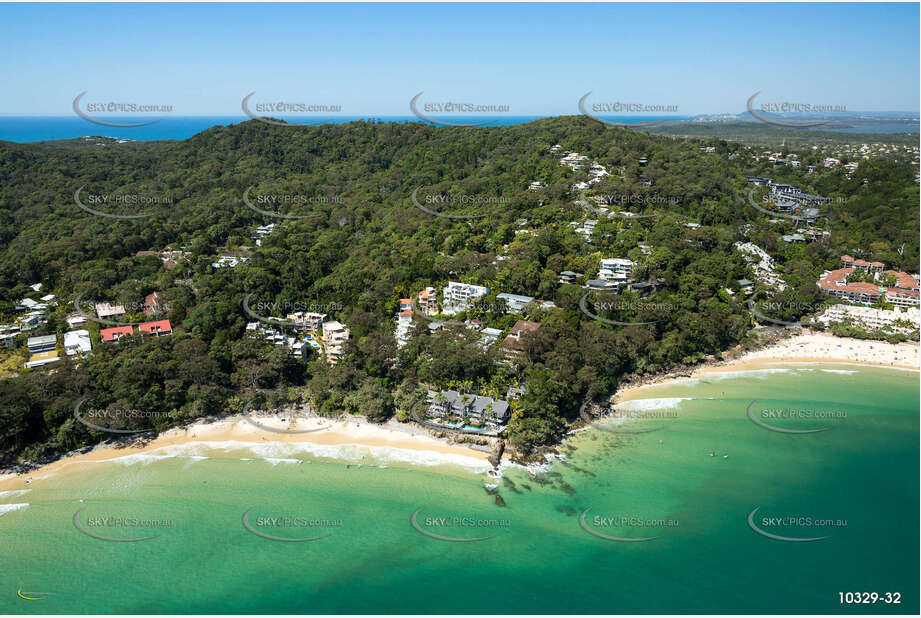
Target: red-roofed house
(835,283)
(848,261)
(116,333)
(903,280)
(157,328)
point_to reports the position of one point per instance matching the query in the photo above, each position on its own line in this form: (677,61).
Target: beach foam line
(12,493)
(293,452)
(652,403)
(9,508)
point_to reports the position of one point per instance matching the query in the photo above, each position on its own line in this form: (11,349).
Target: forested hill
(354,241)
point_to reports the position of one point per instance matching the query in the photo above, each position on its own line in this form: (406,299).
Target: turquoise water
(537,559)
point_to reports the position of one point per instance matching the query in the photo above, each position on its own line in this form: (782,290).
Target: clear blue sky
(538,58)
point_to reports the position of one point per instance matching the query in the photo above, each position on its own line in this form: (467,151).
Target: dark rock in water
(499,500)
(528,487)
(566,488)
(508,482)
(491,490)
(568,510)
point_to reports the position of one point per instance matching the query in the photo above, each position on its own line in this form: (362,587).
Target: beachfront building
(903,321)
(77,342)
(479,410)
(457,296)
(335,334)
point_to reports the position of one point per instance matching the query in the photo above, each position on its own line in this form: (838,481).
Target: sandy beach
(806,348)
(412,442)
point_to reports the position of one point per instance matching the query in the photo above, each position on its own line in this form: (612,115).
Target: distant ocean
(858,483)
(44,128)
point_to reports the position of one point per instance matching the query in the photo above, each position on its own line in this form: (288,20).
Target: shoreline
(807,348)
(412,443)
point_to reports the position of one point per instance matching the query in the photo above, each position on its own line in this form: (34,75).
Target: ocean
(44,128)
(854,486)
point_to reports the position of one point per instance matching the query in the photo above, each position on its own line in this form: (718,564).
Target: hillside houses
(762,264)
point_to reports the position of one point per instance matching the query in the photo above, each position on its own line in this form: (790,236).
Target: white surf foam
(652,404)
(9,508)
(288,452)
(11,493)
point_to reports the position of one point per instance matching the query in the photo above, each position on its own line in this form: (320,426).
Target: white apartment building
(617,270)
(306,320)
(873,319)
(335,334)
(457,296)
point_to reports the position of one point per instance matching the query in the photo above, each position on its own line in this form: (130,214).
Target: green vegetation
(370,246)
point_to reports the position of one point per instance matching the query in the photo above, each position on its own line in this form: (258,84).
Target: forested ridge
(368,246)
